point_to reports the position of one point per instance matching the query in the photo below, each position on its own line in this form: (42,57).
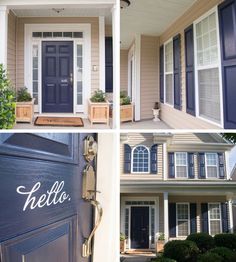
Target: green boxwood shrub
(7,101)
(203,241)
(23,95)
(225,240)
(181,250)
(163,259)
(98,97)
(210,257)
(224,252)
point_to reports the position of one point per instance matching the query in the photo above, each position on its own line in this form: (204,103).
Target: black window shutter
(189,74)
(201,164)
(171,158)
(204,211)
(162,74)
(109,64)
(177,71)
(227,18)
(154,159)
(191,165)
(193,218)
(221,165)
(224,217)
(172,219)
(127,159)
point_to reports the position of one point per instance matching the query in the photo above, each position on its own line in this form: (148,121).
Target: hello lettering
(55,195)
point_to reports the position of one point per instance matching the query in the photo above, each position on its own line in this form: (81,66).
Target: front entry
(139,227)
(57,77)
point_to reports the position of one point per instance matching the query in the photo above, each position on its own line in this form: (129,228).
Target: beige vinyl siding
(124,70)
(198,200)
(94,21)
(175,118)
(149,75)
(11,48)
(202,138)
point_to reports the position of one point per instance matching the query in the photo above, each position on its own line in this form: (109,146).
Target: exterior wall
(124,70)
(11,48)
(175,118)
(202,138)
(94,21)
(108,30)
(148,75)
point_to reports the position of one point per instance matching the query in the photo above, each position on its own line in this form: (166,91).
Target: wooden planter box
(160,246)
(25,111)
(122,246)
(98,112)
(126,113)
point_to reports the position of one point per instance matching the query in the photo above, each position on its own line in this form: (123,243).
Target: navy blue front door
(57,77)
(139,227)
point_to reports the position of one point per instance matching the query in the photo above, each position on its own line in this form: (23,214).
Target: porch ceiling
(69,11)
(150,17)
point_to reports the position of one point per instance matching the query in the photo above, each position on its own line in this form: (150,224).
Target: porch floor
(145,124)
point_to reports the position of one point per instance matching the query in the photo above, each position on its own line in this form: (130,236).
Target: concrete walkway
(136,258)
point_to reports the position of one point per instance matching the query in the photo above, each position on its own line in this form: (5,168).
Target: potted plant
(24,106)
(98,108)
(156,112)
(7,101)
(122,243)
(160,243)
(126,108)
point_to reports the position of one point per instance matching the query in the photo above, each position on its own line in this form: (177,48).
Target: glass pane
(78,34)
(79,87)
(79,99)
(182,228)
(79,50)
(35,74)
(79,75)
(67,34)
(79,62)
(47,34)
(214,211)
(215,227)
(169,89)
(182,211)
(57,34)
(140,159)
(35,62)
(37,34)
(35,86)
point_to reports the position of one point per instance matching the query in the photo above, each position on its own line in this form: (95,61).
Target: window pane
(169,89)
(181,165)
(215,227)
(141,159)
(214,210)
(182,228)
(182,219)
(182,211)
(35,72)
(169,57)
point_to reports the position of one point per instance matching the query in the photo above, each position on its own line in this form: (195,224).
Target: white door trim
(29,40)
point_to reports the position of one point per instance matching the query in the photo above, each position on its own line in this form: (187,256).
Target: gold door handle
(86,249)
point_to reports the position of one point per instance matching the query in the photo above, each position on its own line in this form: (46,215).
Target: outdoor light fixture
(58,10)
(124,4)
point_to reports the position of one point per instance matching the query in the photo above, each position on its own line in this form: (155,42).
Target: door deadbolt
(90,148)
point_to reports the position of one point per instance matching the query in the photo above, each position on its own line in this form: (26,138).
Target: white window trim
(168,73)
(196,68)
(209,220)
(217,165)
(182,203)
(149,160)
(28,43)
(186,154)
(156,219)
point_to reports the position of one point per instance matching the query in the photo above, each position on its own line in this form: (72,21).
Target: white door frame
(86,41)
(156,218)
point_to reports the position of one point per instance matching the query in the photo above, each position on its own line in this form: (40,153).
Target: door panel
(57,84)
(140,227)
(41,195)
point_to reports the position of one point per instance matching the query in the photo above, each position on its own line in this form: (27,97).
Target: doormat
(59,121)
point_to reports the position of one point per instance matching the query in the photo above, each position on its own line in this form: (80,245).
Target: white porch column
(116,63)
(102,52)
(165,173)
(227,164)
(3,34)
(231,223)
(137,99)
(166,216)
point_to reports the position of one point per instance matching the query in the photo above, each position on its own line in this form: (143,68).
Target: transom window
(181,164)
(169,83)
(182,218)
(140,160)
(214,218)
(57,34)
(208,68)
(211,165)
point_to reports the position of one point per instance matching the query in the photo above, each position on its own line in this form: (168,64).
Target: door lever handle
(87,249)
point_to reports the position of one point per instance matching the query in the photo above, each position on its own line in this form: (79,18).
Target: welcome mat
(59,121)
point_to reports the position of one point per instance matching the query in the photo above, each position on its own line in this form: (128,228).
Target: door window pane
(35,72)
(79,74)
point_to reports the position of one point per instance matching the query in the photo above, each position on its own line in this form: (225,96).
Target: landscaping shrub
(163,259)
(224,252)
(7,101)
(203,241)
(181,250)
(210,257)
(225,240)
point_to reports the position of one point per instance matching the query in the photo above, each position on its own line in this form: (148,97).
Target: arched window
(140,160)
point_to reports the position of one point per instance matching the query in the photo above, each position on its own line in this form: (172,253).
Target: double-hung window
(207,63)
(140,160)
(169,82)
(214,218)
(182,219)
(211,165)
(181,165)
